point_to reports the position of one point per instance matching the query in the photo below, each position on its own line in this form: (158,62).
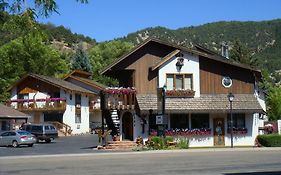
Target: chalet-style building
(71,104)
(197,83)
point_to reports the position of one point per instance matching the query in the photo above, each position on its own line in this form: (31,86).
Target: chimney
(224,50)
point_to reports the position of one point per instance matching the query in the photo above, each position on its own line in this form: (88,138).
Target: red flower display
(120,90)
(180,93)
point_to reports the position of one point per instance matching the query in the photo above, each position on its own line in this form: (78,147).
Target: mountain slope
(263,38)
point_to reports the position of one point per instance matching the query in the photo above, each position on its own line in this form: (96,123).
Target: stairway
(115,119)
(121,145)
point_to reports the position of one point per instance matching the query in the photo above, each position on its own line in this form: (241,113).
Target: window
(179,81)
(238,120)
(200,121)
(78,118)
(179,121)
(226,82)
(77,100)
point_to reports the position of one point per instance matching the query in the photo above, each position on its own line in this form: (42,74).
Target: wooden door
(219,132)
(36,117)
(127,126)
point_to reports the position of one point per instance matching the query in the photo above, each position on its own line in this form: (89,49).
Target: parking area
(62,145)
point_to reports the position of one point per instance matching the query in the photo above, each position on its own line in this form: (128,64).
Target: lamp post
(231,98)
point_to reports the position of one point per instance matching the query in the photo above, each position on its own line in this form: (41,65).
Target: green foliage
(183,143)
(28,54)
(271,140)
(41,7)
(80,60)
(105,53)
(240,53)
(274,103)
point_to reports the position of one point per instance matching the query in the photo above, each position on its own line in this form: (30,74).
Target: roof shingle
(204,103)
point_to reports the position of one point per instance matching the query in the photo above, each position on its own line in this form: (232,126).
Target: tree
(103,54)
(240,53)
(80,60)
(28,54)
(274,103)
(38,7)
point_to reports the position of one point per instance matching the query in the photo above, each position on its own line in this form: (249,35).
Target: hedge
(270,140)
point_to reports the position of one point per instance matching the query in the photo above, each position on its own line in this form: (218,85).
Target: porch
(38,105)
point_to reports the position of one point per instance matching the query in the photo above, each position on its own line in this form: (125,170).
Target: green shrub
(157,142)
(271,140)
(183,143)
(168,139)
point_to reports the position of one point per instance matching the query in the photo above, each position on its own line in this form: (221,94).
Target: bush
(271,140)
(183,143)
(168,139)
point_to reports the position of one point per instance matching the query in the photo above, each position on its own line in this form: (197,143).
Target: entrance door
(127,126)
(36,117)
(219,132)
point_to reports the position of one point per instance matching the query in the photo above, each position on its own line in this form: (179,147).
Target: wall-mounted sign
(161,120)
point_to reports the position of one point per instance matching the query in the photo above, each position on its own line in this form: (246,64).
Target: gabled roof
(202,53)
(55,82)
(8,112)
(165,59)
(88,82)
(79,73)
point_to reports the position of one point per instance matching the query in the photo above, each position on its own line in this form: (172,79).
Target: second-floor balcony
(120,98)
(44,104)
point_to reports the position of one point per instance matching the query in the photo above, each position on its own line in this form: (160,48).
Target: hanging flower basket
(120,90)
(180,93)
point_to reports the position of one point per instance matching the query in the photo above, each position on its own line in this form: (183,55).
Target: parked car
(43,131)
(16,138)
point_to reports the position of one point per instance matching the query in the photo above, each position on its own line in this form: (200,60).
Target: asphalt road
(62,145)
(225,162)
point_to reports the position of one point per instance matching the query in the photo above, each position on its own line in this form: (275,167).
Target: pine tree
(81,60)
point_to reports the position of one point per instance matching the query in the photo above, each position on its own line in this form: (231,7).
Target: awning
(204,104)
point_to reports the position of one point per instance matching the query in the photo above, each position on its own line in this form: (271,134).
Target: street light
(231,98)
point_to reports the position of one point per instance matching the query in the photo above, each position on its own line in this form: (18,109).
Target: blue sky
(108,19)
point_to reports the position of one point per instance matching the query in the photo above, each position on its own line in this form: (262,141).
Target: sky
(108,19)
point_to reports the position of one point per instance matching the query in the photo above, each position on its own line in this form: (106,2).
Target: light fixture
(230,97)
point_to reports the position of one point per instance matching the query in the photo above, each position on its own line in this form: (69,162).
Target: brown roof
(204,103)
(215,57)
(7,112)
(165,59)
(79,73)
(89,82)
(55,82)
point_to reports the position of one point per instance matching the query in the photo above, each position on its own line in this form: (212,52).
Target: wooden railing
(47,104)
(120,98)
(62,127)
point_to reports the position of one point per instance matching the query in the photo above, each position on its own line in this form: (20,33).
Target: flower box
(180,93)
(121,90)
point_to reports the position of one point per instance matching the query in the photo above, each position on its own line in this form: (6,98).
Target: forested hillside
(262,38)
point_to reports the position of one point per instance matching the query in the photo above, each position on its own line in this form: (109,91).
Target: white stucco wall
(69,114)
(191,66)
(252,124)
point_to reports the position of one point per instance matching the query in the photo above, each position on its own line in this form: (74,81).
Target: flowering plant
(120,90)
(180,93)
(188,132)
